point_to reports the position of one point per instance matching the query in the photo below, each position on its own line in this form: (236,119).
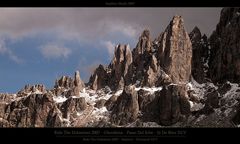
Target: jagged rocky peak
(120,66)
(35,110)
(99,78)
(117,72)
(143,48)
(78,84)
(201,53)
(144,43)
(77,80)
(68,82)
(122,53)
(68,86)
(224,62)
(28,89)
(195,35)
(228,16)
(175,51)
(145,34)
(152,74)
(149,84)
(142,58)
(6,98)
(64,81)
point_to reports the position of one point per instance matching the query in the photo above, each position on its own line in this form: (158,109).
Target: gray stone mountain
(99,79)
(170,61)
(148,65)
(126,109)
(200,54)
(68,86)
(175,51)
(116,74)
(177,80)
(224,63)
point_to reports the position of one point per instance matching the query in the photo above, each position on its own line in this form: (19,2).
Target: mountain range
(178,79)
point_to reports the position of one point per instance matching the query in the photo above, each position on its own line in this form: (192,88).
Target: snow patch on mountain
(199,92)
(151,90)
(91,99)
(37,92)
(196,106)
(59,99)
(233,93)
(66,122)
(100,113)
(119,92)
(200,89)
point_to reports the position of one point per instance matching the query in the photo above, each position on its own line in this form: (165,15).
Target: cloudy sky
(38,45)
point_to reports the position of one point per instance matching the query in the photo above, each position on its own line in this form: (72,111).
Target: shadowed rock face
(36,110)
(173,104)
(200,55)
(117,73)
(144,44)
(39,110)
(141,52)
(224,61)
(126,108)
(73,105)
(99,79)
(152,72)
(236,118)
(110,103)
(144,66)
(120,66)
(175,51)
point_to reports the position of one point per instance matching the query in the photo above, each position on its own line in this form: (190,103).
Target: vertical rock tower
(175,51)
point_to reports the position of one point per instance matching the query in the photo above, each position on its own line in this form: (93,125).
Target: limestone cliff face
(224,63)
(173,104)
(175,51)
(200,55)
(127,108)
(120,66)
(99,78)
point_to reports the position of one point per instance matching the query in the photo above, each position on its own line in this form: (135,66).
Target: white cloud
(87,23)
(110,47)
(3,49)
(128,29)
(6,51)
(69,23)
(53,51)
(91,26)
